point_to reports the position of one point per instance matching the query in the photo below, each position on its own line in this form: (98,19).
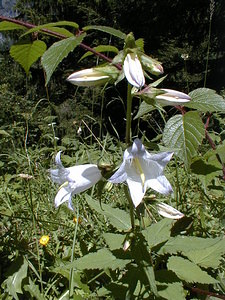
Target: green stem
(208,49)
(72,256)
(128,118)
(131,205)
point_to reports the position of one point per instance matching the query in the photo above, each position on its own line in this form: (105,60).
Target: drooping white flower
(88,77)
(73,180)
(142,170)
(133,70)
(168,211)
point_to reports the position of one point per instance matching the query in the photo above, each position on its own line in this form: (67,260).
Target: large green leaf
(208,257)
(172,291)
(184,133)
(188,271)
(102,259)
(106,29)
(57,52)
(117,217)
(158,233)
(27,53)
(5,25)
(185,244)
(100,48)
(204,100)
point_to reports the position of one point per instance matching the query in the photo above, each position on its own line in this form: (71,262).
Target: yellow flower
(44,240)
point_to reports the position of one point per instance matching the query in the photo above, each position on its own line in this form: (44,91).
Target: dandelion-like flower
(142,170)
(44,240)
(73,180)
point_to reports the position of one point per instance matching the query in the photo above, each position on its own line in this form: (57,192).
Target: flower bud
(133,70)
(94,76)
(168,211)
(152,65)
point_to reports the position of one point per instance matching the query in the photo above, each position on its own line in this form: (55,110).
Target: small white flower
(133,70)
(168,211)
(73,180)
(142,170)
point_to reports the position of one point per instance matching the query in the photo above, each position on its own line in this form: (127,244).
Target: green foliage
(184,134)
(57,52)
(106,29)
(5,26)
(27,53)
(188,271)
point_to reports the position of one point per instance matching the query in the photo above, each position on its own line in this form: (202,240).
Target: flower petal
(168,211)
(84,176)
(62,196)
(119,176)
(160,185)
(137,191)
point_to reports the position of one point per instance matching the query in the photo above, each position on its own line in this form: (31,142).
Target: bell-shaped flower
(168,211)
(133,70)
(94,76)
(73,180)
(142,170)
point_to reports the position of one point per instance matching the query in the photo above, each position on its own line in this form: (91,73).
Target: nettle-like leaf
(27,53)
(205,100)
(106,29)
(209,257)
(102,259)
(117,217)
(158,233)
(184,133)
(188,271)
(57,52)
(5,25)
(185,244)
(101,48)
(113,240)
(173,291)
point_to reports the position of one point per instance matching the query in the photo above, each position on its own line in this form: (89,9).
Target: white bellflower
(142,170)
(73,180)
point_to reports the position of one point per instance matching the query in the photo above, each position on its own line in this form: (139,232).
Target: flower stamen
(139,170)
(64,185)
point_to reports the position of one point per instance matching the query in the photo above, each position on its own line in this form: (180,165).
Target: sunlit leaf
(208,257)
(106,29)
(27,53)
(117,217)
(114,241)
(49,26)
(158,233)
(184,133)
(5,25)
(204,100)
(57,52)
(173,291)
(188,271)
(100,48)
(102,259)
(186,243)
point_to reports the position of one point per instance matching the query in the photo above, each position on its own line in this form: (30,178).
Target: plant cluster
(144,225)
